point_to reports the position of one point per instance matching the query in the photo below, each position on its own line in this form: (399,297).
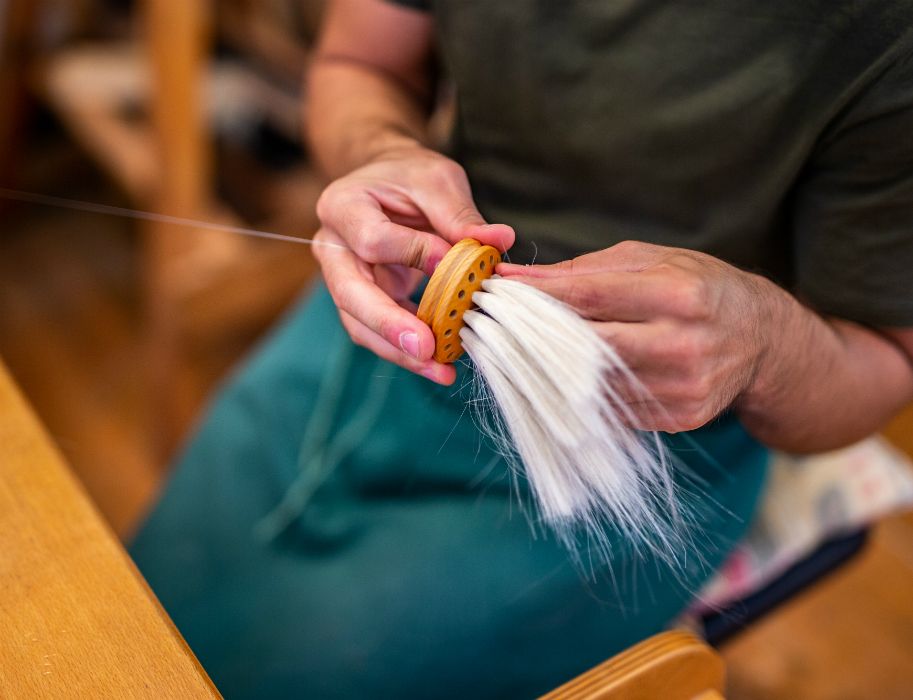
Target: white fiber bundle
(558,392)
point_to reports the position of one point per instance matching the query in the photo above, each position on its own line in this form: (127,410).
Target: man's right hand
(390,221)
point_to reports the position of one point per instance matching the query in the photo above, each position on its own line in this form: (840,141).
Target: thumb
(501,236)
(454,216)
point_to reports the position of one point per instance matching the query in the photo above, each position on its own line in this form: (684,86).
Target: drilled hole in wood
(452,313)
(449,355)
(448,332)
(472,276)
(481,264)
(491,259)
(448,346)
(461,294)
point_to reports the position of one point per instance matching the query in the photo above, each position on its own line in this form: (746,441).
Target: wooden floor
(70,333)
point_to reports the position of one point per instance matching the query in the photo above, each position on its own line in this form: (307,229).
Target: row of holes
(460,295)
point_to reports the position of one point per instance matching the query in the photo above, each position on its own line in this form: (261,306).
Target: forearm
(354,113)
(369,84)
(822,383)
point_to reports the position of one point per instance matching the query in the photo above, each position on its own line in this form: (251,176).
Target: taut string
(137,214)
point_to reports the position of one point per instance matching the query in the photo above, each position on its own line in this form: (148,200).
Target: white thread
(139,215)
(559,395)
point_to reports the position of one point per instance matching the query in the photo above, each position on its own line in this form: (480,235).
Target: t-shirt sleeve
(854,209)
(414,4)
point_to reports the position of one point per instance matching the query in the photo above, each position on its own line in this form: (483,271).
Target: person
(723,189)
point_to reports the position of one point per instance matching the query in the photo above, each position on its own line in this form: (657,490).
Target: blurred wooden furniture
(15,20)
(671,665)
(139,108)
(76,618)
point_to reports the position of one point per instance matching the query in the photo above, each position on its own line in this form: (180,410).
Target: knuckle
(382,245)
(667,424)
(700,390)
(689,295)
(385,328)
(450,170)
(690,392)
(685,352)
(444,174)
(317,250)
(582,295)
(628,247)
(370,246)
(569,266)
(414,253)
(341,291)
(358,336)
(687,422)
(326,203)
(690,417)
(466,212)
(355,331)
(665,269)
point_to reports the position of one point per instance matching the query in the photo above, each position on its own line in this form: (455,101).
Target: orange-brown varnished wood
(673,665)
(449,294)
(77,619)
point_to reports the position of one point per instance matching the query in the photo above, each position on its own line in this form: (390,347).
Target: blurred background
(117,331)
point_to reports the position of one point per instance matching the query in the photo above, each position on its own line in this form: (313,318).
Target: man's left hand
(693,328)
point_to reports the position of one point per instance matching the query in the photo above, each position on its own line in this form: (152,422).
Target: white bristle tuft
(557,391)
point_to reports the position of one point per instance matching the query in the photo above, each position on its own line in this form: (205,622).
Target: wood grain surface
(76,618)
(673,665)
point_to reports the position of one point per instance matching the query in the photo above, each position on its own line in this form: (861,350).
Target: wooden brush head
(449,294)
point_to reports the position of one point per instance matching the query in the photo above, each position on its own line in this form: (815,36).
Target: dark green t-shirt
(776,135)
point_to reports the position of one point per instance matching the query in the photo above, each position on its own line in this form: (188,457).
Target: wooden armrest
(76,618)
(672,666)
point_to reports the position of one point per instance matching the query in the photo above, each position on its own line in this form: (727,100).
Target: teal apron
(339,528)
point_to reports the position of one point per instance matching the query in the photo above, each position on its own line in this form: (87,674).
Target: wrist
(389,141)
(780,328)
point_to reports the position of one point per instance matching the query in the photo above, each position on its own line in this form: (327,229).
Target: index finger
(627,256)
(362,299)
(361,221)
(606,296)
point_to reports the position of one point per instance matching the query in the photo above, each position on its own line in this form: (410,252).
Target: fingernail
(504,232)
(433,263)
(408,343)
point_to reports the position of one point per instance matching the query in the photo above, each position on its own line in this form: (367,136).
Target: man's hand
(392,220)
(692,328)
(396,207)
